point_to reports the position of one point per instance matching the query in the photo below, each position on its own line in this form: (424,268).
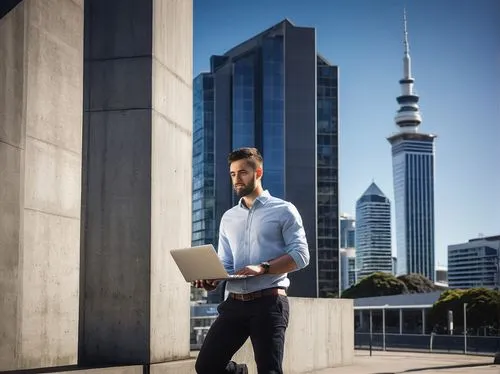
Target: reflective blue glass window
(203,161)
(244,102)
(273,114)
(327,181)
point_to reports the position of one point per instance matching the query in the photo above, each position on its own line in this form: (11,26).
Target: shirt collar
(263,198)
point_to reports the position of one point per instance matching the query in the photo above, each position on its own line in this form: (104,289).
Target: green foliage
(376,284)
(483,308)
(383,284)
(417,283)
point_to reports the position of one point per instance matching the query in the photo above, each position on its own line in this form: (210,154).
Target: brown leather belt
(257,294)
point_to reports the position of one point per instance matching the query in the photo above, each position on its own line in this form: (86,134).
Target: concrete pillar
(137,181)
(41,68)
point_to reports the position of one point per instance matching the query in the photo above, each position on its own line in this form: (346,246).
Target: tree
(417,283)
(482,308)
(376,284)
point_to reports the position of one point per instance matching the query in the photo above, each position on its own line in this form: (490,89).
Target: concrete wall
(137,181)
(320,335)
(41,45)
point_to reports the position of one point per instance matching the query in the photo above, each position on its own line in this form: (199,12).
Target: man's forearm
(282,264)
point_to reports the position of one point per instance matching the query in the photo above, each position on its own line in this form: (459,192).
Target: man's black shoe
(233,367)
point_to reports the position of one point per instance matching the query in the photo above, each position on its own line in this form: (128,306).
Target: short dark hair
(252,155)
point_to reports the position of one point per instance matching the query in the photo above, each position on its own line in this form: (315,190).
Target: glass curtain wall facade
(413,171)
(347,268)
(327,180)
(244,101)
(203,211)
(347,232)
(373,233)
(273,115)
(475,263)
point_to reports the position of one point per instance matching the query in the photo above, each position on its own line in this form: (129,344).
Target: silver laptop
(201,262)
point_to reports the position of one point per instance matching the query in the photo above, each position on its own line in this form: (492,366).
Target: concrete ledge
(75,369)
(135,369)
(171,367)
(320,335)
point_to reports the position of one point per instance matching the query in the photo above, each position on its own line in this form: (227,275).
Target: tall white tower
(413,173)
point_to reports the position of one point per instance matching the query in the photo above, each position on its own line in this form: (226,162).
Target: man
(261,237)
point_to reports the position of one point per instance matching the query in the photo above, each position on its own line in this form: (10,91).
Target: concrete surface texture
(137,181)
(320,335)
(41,84)
(412,362)
(379,363)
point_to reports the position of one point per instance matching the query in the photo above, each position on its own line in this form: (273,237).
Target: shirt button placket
(246,243)
(247,235)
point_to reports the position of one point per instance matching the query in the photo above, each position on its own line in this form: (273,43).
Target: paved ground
(410,362)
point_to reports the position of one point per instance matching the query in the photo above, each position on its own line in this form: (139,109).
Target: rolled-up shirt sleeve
(224,250)
(295,237)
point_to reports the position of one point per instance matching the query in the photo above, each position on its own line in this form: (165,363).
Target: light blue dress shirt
(269,229)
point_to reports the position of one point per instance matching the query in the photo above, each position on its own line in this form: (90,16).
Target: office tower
(347,231)
(441,275)
(347,268)
(203,207)
(274,92)
(347,251)
(373,233)
(475,263)
(413,173)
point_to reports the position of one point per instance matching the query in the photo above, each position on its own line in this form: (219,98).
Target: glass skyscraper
(203,207)
(373,233)
(413,173)
(347,232)
(273,92)
(327,180)
(347,251)
(347,268)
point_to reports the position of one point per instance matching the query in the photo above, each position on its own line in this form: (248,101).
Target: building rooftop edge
(260,34)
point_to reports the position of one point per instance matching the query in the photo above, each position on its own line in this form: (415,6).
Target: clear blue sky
(455,51)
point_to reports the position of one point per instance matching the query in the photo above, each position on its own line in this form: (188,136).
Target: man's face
(244,177)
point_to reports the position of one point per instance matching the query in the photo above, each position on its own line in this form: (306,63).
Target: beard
(245,190)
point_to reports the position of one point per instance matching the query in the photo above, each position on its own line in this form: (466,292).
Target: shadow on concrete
(447,367)
(460,366)
(58,369)
(7,5)
(44,370)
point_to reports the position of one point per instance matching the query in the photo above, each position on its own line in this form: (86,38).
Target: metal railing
(487,345)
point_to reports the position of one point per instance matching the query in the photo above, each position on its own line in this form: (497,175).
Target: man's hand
(208,285)
(251,270)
